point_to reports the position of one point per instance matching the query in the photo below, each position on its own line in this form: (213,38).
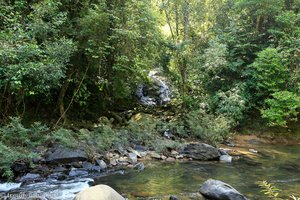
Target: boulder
(66,155)
(163,157)
(139,166)
(91,167)
(102,164)
(57,176)
(140,148)
(59,169)
(174,153)
(41,169)
(113,162)
(226,158)
(99,192)
(123,159)
(218,190)
(154,155)
(132,158)
(20,167)
(201,151)
(170,159)
(30,177)
(78,172)
(173,197)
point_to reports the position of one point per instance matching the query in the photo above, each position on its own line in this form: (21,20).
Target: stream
(279,164)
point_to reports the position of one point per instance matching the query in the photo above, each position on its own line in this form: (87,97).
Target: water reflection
(280,164)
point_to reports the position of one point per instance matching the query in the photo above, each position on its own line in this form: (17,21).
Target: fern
(273,192)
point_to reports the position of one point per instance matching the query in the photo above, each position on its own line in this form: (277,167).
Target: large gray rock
(78,172)
(99,192)
(65,155)
(30,177)
(132,158)
(102,164)
(226,158)
(201,151)
(91,167)
(218,190)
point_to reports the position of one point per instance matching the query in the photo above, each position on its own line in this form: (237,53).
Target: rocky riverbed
(62,172)
(71,170)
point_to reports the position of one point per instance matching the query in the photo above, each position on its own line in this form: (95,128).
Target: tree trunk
(61,97)
(177,21)
(168,21)
(258,21)
(183,65)
(186,15)
(110,57)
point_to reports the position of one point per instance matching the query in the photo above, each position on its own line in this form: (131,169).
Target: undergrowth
(17,141)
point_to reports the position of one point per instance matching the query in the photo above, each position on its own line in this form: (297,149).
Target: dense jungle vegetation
(230,64)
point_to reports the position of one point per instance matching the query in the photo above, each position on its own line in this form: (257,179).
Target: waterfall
(162,96)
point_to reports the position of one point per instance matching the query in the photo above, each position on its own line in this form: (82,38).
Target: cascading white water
(54,189)
(4,187)
(145,100)
(164,92)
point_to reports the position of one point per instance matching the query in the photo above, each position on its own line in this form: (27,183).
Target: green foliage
(164,146)
(87,58)
(29,61)
(269,72)
(231,103)
(143,128)
(8,157)
(65,137)
(215,60)
(272,192)
(283,107)
(269,190)
(120,41)
(101,138)
(265,8)
(105,138)
(17,141)
(207,127)
(15,134)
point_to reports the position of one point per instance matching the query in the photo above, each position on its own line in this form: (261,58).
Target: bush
(143,128)
(269,72)
(8,157)
(17,141)
(207,127)
(64,137)
(230,103)
(104,137)
(163,146)
(15,134)
(281,108)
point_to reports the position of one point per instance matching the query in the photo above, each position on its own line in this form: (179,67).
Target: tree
(33,54)
(269,72)
(281,108)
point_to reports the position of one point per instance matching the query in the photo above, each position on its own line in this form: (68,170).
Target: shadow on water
(279,165)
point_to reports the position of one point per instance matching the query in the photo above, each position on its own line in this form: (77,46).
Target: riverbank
(103,149)
(72,170)
(278,164)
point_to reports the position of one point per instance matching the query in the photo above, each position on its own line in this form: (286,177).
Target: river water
(278,164)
